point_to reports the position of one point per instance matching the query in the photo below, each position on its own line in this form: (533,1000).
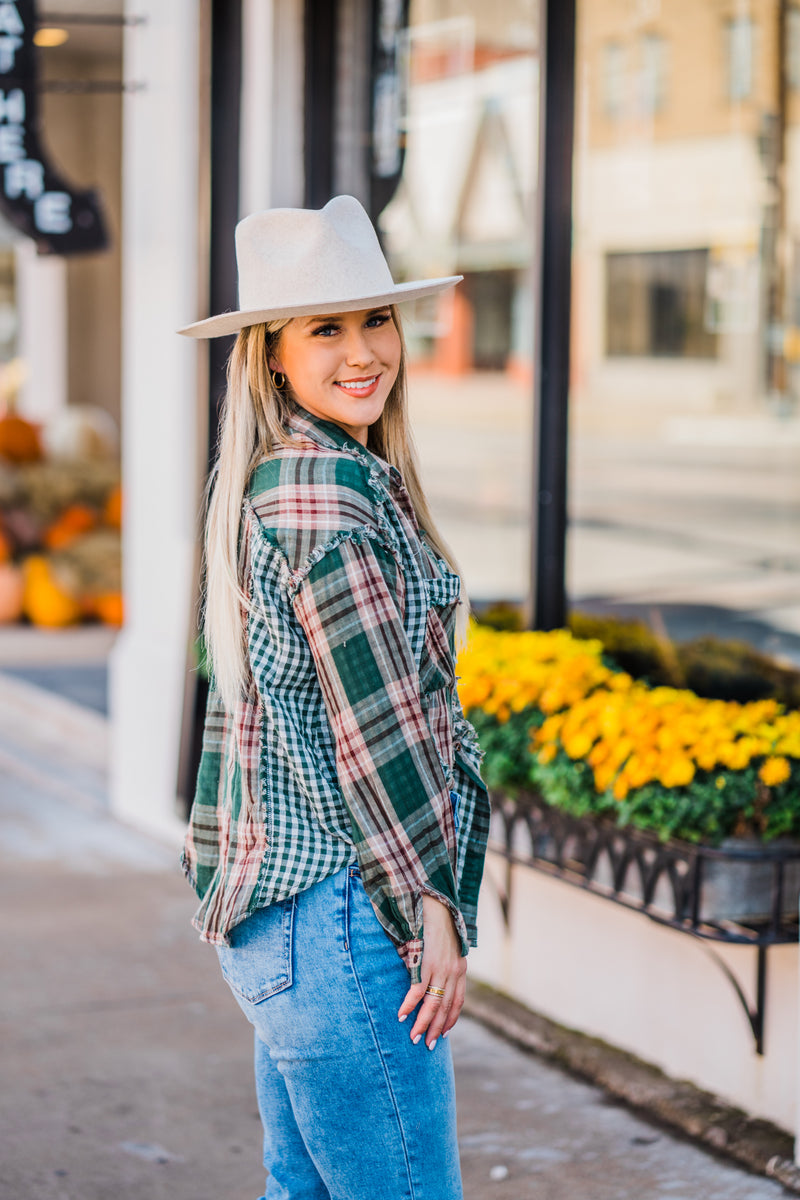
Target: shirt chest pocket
(437,669)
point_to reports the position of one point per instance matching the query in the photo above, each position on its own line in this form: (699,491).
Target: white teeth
(359,387)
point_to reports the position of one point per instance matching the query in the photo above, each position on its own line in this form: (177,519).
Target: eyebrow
(333,316)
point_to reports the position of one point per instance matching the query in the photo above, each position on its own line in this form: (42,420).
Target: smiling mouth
(358,386)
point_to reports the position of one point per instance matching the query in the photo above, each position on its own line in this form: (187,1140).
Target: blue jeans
(351,1109)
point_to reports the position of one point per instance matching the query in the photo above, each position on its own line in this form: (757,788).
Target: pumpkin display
(23,528)
(60,513)
(45,489)
(107,606)
(81,432)
(46,600)
(12,587)
(19,439)
(74,521)
(112,513)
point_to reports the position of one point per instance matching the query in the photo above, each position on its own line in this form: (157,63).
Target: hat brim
(232,322)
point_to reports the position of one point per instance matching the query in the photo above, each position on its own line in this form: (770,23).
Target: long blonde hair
(253,421)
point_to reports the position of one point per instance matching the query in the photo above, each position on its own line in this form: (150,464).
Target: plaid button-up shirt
(350,745)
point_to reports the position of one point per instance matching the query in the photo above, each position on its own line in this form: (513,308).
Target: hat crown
(291,257)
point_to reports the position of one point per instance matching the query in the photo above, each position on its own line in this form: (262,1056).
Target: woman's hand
(443,967)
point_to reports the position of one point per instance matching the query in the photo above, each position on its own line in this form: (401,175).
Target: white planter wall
(612,973)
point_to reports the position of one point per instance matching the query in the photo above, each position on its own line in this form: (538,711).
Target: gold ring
(434,991)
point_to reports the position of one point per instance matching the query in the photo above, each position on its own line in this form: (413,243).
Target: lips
(359,387)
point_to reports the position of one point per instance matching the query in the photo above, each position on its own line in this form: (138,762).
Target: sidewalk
(127,1065)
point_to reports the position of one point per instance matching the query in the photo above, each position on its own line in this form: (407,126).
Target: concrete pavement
(126,1064)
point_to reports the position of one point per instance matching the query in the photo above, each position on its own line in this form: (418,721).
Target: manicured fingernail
(417,1039)
(403,1017)
(432,1044)
(446,1032)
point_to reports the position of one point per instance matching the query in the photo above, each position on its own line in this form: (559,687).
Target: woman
(339,826)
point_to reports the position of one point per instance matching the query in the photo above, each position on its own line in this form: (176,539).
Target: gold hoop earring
(278,386)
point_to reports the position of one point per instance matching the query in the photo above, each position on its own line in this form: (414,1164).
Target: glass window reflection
(465,205)
(685,380)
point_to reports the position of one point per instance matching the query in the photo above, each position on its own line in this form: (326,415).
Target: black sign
(33,196)
(388,100)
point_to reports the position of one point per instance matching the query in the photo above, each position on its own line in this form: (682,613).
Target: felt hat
(300,262)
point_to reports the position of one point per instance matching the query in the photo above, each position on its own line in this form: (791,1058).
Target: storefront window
(685,375)
(739,48)
(655,305)
(61,329)
(465,205)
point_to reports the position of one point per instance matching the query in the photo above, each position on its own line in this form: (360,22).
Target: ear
(273,364)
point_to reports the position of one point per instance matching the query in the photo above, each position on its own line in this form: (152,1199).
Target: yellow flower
(720,782)
(775,771)
(599,754)
(679,772)
(736,756)
(639,770)
(621,787)
(628,732)
(578,746)
(602,777)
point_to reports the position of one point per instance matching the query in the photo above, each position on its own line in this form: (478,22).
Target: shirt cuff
(411,954)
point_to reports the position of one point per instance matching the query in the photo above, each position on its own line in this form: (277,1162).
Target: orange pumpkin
(19,439)
(112,513)
(108,607)
(68,527)
(12,587)
(45,601)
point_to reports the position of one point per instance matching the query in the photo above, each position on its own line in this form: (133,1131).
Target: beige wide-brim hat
(301,262)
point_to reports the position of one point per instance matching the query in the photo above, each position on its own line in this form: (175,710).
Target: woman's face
(341,367)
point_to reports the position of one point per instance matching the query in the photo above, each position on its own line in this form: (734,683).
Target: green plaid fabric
(351,738)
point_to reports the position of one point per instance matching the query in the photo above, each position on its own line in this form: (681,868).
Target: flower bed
(555,716)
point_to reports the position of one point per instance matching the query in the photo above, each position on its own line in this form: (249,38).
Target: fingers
(457,1004)
(440,1015)
(437,1014)
(412,999)
(428,1018)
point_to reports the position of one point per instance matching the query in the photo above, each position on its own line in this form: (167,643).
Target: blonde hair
(253,420)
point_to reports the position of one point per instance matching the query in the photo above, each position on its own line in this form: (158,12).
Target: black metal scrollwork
(740,894)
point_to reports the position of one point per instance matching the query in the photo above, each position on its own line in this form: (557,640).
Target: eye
(325,330)
(378,319)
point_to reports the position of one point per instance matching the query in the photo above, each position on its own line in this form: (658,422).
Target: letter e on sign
(51,212)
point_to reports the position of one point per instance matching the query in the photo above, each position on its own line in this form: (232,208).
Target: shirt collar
(333,437)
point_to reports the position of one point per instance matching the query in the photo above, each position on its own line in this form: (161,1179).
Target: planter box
(739,887)
(741,890)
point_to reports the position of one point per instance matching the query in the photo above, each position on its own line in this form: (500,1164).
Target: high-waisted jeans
(351,1109)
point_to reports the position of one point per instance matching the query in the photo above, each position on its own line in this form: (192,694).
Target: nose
(359,351)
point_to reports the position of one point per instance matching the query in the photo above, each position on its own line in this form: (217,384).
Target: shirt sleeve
(349,605)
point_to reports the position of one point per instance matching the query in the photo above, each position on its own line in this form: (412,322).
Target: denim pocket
(258,962)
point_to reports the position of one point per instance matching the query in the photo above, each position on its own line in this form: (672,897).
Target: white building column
(161,410)
(41,286)
(271,173)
